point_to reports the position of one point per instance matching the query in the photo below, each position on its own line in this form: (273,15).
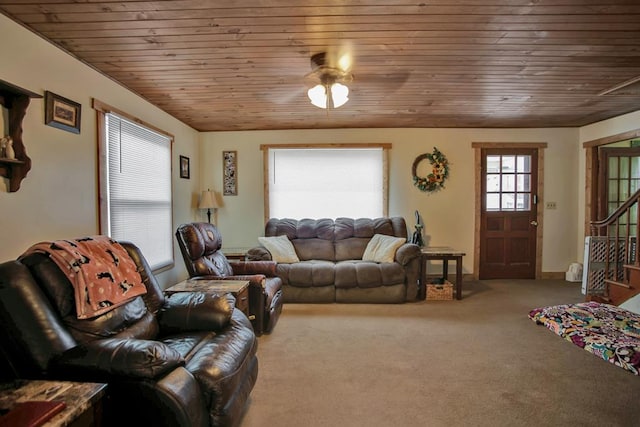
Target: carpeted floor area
(479,361)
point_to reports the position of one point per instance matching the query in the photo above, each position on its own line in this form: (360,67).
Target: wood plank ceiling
(240,64)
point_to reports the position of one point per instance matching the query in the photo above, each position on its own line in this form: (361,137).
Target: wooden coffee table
(235,254)
(83,401)
(238,288)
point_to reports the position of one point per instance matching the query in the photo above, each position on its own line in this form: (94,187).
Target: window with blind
(135,187)
(326,182)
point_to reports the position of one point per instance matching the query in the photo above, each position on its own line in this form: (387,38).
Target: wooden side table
(238,288)
(239,254)
(444,254)
(83,400)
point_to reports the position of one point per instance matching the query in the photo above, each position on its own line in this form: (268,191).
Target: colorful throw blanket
(607,331)
(101,271)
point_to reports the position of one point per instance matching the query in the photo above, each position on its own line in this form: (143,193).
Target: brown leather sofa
(184,360)
(200,244)
(330,267)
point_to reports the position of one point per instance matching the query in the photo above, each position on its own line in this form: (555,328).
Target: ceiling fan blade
(285,97)
(388,81)
(336,62)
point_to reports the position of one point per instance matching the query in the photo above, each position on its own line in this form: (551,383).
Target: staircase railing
(616,237)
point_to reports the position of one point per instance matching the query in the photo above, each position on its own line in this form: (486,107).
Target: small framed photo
(61,113)
(184,167)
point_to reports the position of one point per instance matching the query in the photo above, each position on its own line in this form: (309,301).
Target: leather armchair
(200,244)
(184,360)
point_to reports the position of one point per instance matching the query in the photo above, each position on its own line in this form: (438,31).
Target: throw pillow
(281,249)
(382,248)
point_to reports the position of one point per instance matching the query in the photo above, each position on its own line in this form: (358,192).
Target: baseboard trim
(555,275)
(545,275)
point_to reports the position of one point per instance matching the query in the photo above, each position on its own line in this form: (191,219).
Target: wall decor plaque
(230,173)
(185,167)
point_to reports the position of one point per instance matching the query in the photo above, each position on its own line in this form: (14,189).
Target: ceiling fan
(328,83)
(330,74)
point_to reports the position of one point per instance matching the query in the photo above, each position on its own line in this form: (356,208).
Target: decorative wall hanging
(440,171)
(61,113)
(185,169)
(230,171)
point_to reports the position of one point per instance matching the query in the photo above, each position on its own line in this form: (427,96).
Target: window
(618,181)
(508,183)
(135,186)
(326,182)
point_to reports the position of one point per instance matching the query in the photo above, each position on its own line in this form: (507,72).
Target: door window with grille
(508,183)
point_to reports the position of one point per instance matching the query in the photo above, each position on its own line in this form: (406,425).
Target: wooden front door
(508,217)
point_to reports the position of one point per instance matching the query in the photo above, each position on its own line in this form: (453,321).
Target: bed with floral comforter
(607,331)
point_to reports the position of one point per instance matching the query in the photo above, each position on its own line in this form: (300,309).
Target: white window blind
(326,182)
(138,189)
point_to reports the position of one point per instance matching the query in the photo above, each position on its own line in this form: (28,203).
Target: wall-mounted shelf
(16,100)
(11,161)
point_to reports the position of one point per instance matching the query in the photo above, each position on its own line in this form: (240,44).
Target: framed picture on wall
(230,173)
(184,167)
(61,113)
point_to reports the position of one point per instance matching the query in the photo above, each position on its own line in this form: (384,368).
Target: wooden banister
(617,214)
(617,236)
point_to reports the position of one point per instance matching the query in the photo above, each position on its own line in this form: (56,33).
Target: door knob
(534,223)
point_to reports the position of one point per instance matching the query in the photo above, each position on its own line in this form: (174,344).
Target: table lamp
(208,201)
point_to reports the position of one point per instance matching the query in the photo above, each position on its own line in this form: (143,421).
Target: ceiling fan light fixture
(339,94)
(318,96)
(328,96)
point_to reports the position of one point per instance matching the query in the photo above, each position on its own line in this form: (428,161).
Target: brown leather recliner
(184,360)
(200,244)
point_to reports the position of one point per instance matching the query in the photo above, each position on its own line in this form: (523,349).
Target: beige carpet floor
(479,361)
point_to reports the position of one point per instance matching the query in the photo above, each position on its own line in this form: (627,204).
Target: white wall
(448,214)
(58,198)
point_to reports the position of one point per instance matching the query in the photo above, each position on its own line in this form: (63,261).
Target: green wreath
(435,180)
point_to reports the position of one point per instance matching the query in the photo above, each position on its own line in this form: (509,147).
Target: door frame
(478,146)
(602,183)
(592,170)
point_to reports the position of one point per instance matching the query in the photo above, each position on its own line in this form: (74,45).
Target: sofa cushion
(364,274)
(351,248)
(307,273)
(281,248)
(319,228)
(314,248)
(364,227)
(122,357)
(382,248)
(300,229)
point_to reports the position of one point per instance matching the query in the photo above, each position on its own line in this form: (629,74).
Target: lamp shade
(318,96)
(208,200)
(339,94)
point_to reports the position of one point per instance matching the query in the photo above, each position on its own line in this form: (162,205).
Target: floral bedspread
(607,331)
